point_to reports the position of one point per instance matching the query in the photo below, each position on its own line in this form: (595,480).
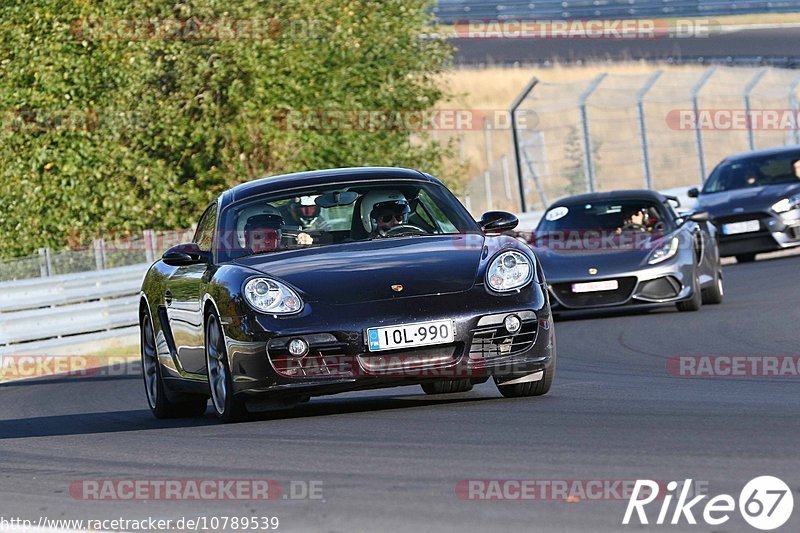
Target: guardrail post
(746,93)
(149,245)
(99,246)
(648,178)
(698,136)
(588,163)
(45,263)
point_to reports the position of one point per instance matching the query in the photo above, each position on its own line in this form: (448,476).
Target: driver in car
(637,221)
(383,210)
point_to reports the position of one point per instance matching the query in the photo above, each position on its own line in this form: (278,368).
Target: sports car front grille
(564,294)
(494,342)
(321,362)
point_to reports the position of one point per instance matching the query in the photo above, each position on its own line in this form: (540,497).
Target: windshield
(604,217)
(337,214)
(755,172)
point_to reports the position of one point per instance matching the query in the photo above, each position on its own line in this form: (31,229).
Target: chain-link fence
(128,248)
(660,130)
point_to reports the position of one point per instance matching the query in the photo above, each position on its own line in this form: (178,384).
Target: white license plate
(747,226)
(595,286)
(411,335)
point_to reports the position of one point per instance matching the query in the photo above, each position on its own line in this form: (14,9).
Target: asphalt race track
(776,46)
(390,460)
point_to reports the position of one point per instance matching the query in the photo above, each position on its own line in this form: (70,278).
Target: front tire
(227,406)
(714,294)
(531,388)
(696,301)
(447,387)
(158,399)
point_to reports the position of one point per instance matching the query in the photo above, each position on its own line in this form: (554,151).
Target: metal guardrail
(39,311)
(460,10)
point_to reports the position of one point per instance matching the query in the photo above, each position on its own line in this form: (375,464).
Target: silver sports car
(627,248)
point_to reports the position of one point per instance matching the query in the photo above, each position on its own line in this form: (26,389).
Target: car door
(184,299)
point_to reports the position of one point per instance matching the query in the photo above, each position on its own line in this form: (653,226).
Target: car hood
(745,200)
(366,271)
(573,259)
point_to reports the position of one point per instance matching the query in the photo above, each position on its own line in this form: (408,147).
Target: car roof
(778,150)
(628,194)
(323,177)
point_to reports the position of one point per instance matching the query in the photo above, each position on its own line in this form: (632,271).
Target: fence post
(793,106)
(648,178)
(506,176)
(45,263)
(149,246)
(515,139)
(99,246)
(487,141)
(751,143)
(698,137)
(487,187)
(588,164)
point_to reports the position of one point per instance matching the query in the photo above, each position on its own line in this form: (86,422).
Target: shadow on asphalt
(142,419)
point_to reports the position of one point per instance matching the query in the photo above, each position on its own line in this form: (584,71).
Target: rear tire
(157,396)
(227,406)
(714,294)
(696,302)
(447,387)
(745,258)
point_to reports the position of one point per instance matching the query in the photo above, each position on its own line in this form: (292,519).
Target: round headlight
(509,271)
(270,296)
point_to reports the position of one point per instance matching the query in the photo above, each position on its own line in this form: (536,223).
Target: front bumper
(655,285)
(338,359)
(776,232)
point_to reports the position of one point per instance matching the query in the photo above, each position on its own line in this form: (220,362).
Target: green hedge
(104,132)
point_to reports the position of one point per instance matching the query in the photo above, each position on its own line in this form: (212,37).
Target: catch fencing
(660,130)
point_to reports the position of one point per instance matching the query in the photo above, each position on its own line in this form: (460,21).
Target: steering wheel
(405,229)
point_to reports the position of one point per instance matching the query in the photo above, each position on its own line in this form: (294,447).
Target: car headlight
(664,252)
(271,297)
(787,204)
(508,271)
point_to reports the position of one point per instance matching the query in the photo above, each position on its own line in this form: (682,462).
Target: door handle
(168,297)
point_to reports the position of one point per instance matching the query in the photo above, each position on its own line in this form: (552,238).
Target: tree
(122,116)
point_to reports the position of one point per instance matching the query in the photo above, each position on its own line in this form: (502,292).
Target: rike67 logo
(766,503)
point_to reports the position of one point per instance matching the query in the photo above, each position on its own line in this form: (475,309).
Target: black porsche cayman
(754,199)
(627,248)
(328,281)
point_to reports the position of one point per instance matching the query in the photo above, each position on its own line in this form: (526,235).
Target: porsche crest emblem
(397,288)
(592,271)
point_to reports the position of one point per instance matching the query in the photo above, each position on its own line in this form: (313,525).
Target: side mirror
(699,216)
(498,222)
(185,254)
(694,192)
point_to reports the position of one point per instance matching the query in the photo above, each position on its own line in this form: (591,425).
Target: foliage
(111,123)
